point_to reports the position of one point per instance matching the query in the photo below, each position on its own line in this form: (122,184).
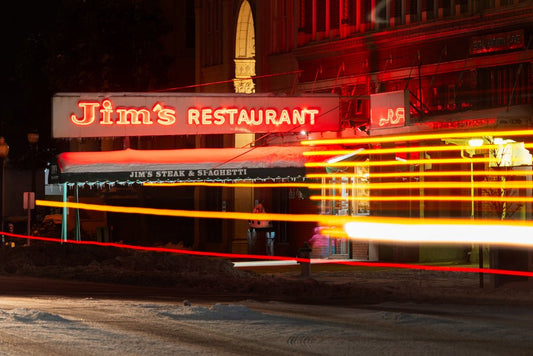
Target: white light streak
(493,234)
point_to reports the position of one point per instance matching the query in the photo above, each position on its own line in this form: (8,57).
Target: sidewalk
(407,285)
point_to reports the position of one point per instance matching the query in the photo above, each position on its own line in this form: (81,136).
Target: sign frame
(389,110)
(76,115)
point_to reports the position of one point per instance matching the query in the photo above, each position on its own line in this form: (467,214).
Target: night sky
(74,46)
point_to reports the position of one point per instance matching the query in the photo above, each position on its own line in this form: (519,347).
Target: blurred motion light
(475,142)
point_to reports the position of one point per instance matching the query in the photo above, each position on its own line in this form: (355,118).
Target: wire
(224,81)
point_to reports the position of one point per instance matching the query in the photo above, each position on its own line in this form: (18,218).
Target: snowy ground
(235,312)
(67,326)
(184,275)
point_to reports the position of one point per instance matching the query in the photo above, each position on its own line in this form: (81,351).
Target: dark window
(464,5)
(446,7)
(396,9)
(501,86)
(348,13)
(413,6)
(366,11)
(308,16)
(320,15)
(334,14)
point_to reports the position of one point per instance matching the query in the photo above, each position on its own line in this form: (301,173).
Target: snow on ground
(349,311)
(109,327)
(195,275)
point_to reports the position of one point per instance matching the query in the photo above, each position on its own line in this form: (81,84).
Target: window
(334,12)
(507,85)
(321,15)
(306,16)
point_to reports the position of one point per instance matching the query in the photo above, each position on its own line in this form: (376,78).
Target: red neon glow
(142,114)
(281,258)
(497,42)
(461,124)
(254,117)
(389,109)
(123,115)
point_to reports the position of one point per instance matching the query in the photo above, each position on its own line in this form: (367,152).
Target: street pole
(33,140)
(480,247)
(4,150)
(475,143)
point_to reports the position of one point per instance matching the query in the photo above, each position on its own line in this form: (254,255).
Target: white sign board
(148,114)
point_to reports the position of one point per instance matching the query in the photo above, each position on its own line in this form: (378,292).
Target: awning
(200,164)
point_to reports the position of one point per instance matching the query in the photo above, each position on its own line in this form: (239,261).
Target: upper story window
(320,19)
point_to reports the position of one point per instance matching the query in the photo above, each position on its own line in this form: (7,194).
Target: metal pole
(480,248)
(28,200)
(65,211)
(472,209)
(2,196)
(78,232)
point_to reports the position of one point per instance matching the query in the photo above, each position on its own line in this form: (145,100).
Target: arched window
(245,50)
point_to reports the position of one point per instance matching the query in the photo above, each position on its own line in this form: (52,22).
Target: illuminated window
(245,51)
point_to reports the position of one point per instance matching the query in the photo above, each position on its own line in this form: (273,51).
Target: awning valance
(200,164)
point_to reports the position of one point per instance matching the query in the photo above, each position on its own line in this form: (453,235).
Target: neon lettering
(207,116)
(298,116)
(122,115)
(394,117)
(243,117)
(193,116)
(219,117)
(270,116)
(312,113)
(106,112)
(284,117)
(133,115)
(165,116)
(399,116)
(89,113)
(232,113)
(256,120)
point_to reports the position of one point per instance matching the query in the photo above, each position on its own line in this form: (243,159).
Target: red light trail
(281,258)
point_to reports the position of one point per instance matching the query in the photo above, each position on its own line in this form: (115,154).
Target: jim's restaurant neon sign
(134,114)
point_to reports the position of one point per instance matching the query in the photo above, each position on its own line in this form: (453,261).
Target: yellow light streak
(513,199)
(421,174)
(337,232)
(417,137)
(439,148)
(352,224)
(522,184)
(226,185)
(399,162)
(194,214)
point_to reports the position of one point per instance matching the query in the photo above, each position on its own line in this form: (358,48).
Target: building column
(244,202)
